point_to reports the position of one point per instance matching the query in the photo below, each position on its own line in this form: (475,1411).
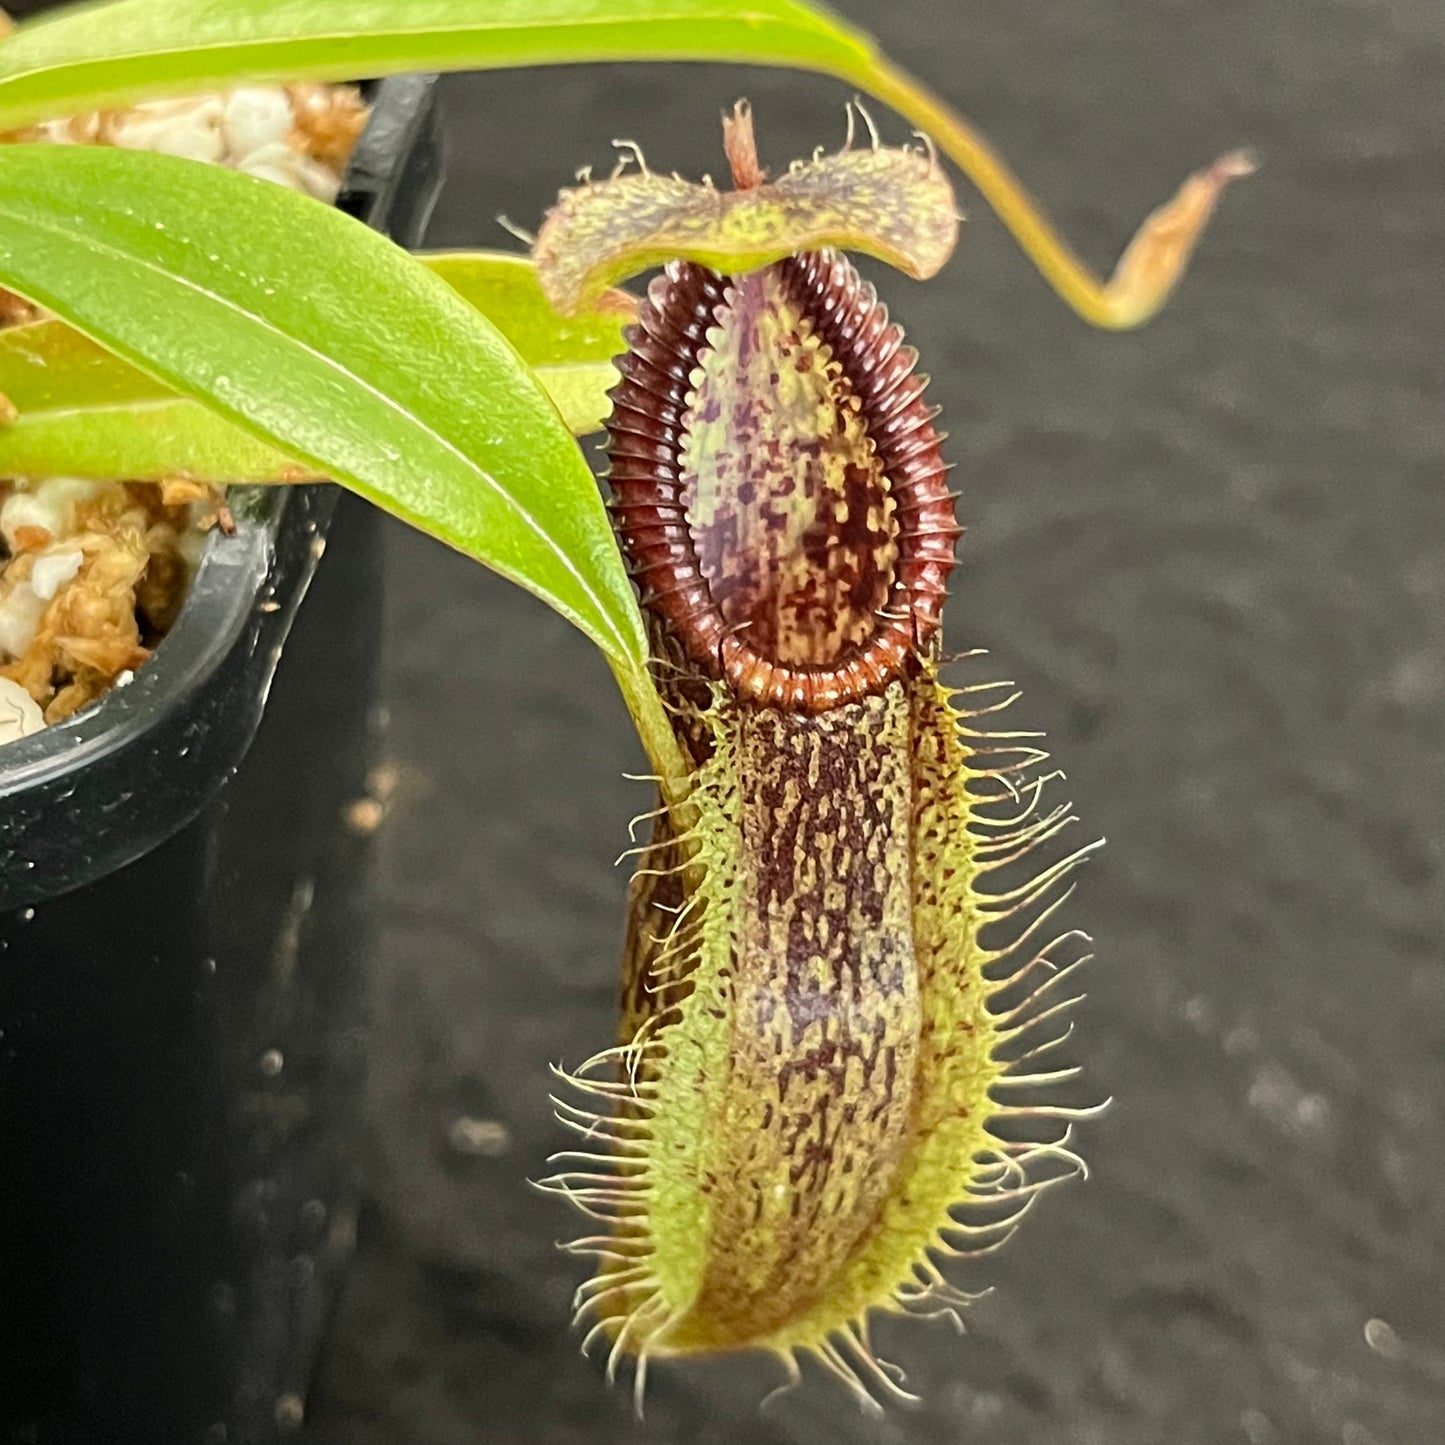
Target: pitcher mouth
(859,513)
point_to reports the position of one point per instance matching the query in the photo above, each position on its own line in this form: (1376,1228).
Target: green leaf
(572,355)
(581,392)
(505,288)
(47,365)
(322,339)
(142,441)
(104,55)
(79,431)
(85,412)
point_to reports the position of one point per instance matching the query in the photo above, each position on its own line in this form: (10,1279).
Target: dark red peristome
(646,432)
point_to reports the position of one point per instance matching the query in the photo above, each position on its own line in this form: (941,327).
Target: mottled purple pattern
(777,482)
(789,509)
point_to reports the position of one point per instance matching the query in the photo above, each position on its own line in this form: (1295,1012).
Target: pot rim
(232,571)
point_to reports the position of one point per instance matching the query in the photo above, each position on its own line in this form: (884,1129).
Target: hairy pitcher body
(831,1024)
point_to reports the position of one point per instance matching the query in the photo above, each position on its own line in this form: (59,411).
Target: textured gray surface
(1211,554)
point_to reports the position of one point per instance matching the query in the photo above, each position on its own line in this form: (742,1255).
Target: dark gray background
(1211,554)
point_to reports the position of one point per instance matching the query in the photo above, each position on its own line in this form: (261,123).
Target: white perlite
(19,715)
(21,609)
(49,507)
(265,131)
(51,570)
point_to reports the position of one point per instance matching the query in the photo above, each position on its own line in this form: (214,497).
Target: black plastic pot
(182,941)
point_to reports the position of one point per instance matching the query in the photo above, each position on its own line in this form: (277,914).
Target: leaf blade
(506,288)
(228,306)
(47,366)
(142,441)
(144,437)
(85,412)
(114,53)
(572,355)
